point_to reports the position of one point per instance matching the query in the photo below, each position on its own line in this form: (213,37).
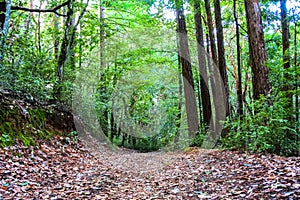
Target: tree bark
(2,14)
(238,52)
(286,53)
(211,34)
(188,82)
(216,86)
(68,43)
(222,61)
(105,116)
(102,37)
(53,10)
(258,56)
(4,20)
(179,106)
(56,42)
(7,18)
(205,98)
(297,75)
(285,34)
(65,43)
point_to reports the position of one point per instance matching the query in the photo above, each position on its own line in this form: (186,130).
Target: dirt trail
(63,169)
(135,161)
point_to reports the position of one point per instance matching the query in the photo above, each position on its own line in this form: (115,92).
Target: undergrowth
(22,125)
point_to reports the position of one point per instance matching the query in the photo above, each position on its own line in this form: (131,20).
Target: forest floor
(64,169)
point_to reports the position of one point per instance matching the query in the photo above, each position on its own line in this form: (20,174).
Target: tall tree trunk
(5,17)
(211,34)
(297,75)
(213,51)
(213,78)
(105,116)
(258,56)
(221,61)
(113,124)
(198,92)
(205,98)
(68,44)
(216,87)
(39,46)
(4,20)
(72,46)
(188,81)
(124,137)
(238,52)
(63,55)
(285,34)
(286,53)
(2,14)
(102,37)
(56,42)
(65,42)
(80,53)
(179,106)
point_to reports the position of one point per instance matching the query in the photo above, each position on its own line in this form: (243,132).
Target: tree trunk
(297,75)
(198,92)
(222,60)
(4,20)
(6,17)
(102,36)
(216,87)
(113,125)
(56,42)
(205,98)
(72,46)
(286,53)
(211,34)
(214,130)
(285,34)
(65,43)
(2,14)
(63,55)
(238,52)
(188,81)
(211,63)
(38,42)
(258,56)
(124,137)
(179,106)
(103,78)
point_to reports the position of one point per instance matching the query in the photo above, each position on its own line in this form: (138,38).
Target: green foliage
(25,138)
(6,132)
(200,137)
(146,145)
(267,129)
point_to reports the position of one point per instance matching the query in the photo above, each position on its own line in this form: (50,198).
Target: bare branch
(53,10)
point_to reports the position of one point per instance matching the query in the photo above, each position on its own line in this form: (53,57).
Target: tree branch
(53,10)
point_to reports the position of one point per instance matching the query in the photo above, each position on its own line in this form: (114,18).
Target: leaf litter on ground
(60,169)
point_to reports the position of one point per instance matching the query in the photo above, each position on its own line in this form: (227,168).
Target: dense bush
(268,129)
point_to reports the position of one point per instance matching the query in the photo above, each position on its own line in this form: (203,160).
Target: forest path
(132,160)
(60,169)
